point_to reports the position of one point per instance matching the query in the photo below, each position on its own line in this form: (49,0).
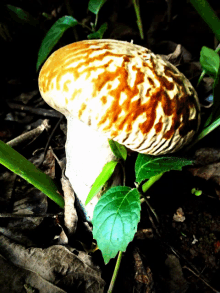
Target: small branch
(49,140)
(36,111)
(30,135)
(214,290)
(8,215)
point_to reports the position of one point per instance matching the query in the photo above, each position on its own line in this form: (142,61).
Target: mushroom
(110,89)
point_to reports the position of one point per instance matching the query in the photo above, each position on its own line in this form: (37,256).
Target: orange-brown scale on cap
(83,107)
(158,127)
(104,99)
(75,93)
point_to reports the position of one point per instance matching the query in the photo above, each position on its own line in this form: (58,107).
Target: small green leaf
(95,5)
(196,191)
(118,149)
(99,33)
(100,181)
(210,61)
(115,220)
(53,36)
(149,166)
(15,162)
(21,16)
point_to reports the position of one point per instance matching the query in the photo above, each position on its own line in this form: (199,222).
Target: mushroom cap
(125,91)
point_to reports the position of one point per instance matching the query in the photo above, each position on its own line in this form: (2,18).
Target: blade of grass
(138,15)
(18,164)
(208,15)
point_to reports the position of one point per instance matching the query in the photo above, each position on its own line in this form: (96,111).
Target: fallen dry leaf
(56,265)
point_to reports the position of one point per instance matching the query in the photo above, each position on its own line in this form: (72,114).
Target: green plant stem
(150,182)
(208,15)
(118,263)
(96,20)
(116,270)
(138,15)
(18,164)
(123,171)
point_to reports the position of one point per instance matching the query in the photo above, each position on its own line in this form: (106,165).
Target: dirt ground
(177,245)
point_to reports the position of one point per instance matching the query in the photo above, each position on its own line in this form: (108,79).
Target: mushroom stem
(87,151)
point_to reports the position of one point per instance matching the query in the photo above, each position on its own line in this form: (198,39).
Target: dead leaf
(179,216)
(56,265)
(205,156)
(14,279)
(177,282)
(70,214)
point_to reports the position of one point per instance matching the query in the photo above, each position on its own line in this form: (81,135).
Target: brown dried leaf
(55,264)
(14,279)
(208,159)
(177,282)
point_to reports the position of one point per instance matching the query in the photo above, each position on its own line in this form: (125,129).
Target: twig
(8,215)
(49,140)
(36,111)
(214,290)
(151,209)
(30,135)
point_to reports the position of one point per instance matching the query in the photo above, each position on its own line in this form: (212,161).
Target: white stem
(87,151)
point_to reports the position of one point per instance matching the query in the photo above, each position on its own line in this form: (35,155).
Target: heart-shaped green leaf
(115,220)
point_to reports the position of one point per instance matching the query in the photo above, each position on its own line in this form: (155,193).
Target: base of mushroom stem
(86,212)
(87,151)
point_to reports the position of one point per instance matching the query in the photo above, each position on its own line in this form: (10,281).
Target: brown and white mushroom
(110,89)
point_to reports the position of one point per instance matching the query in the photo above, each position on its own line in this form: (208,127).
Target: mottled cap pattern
(125,91)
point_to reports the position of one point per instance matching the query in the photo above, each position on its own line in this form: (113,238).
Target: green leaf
(210,61)
(21,16)
(118,149)
(208,15)
(95,5)
(99,33)
(15,162)
(208,129)
(149,166)
(53,36)
(100,181)
(115,220)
